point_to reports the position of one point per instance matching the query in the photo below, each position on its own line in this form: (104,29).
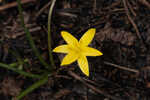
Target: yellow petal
(69,58)
(71,40)
(61,49)
(87,37)
(83,64)
(88,51)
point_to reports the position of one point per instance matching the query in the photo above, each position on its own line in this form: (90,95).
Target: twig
(18,34)
(61,13)
(30,30)
(131,8)
(132,22)
(113,5)
(92,87)
(14,4)
(121,67)
(145,2)
(94,6)
(42,9)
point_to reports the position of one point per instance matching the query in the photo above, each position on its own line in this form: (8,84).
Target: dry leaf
(117,35)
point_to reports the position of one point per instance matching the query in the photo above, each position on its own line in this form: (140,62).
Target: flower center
(77,49)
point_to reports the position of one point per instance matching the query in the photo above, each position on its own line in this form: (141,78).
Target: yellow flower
(78,50)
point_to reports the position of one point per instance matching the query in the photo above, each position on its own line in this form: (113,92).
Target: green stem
(29,37)
(49,34)
(32,87)
(19,71)
(15,64)
(18,57)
